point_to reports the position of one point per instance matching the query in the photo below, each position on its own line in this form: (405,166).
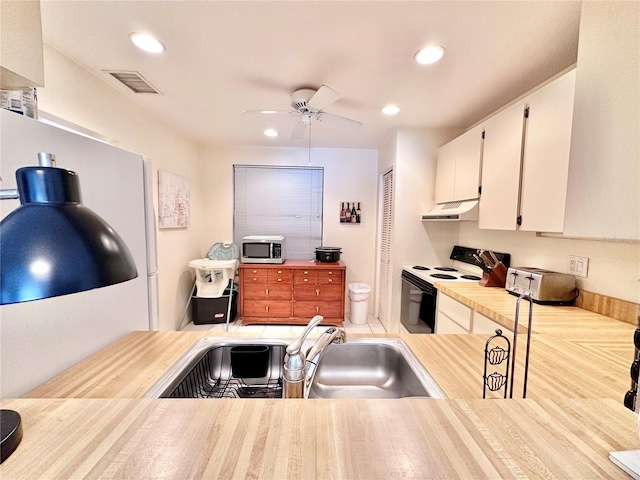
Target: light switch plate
(578,266)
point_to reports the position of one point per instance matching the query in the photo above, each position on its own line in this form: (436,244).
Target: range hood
(466,210)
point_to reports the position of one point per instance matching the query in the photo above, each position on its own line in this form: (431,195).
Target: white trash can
(359,296)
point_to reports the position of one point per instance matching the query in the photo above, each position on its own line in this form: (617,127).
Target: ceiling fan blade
(298,131)
(343,123)
(324,97)
(268,112)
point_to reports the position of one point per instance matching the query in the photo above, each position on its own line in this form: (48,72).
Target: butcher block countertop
(90,421)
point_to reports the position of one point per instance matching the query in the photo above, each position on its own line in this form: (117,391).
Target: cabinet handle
(330,272)
(330,280)
(279,272)
(317,309)
(255,271)
(306,279)
(317,292)
(306,273)
(279,279)
(255,279)
(266,291)
(266,307)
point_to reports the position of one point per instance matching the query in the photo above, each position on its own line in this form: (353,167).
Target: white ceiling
(224,57)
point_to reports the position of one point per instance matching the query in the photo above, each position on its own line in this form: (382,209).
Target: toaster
(544,286)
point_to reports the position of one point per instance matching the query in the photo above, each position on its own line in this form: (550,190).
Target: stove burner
(470,277)
(420,267)
(446,269)
(443,276)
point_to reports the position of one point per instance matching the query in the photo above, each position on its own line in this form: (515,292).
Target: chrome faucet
(300,369)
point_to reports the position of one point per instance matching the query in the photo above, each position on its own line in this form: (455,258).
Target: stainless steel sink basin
(248,367)
(372,368)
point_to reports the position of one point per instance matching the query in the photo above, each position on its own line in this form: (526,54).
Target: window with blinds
(271,200)
(385,247)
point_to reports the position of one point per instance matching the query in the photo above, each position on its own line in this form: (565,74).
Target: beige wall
(349,175)
(74,94)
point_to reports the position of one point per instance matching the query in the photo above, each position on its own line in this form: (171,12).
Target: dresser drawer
(279,276)
(318,292)
(249,277)
(266,291)
(305,277)
(330,277)
(267,308)
(309,309)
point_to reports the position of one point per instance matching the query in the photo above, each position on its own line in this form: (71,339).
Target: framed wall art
(350,212)
(173,201)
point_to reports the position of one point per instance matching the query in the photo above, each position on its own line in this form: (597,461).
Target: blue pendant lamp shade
(52,245)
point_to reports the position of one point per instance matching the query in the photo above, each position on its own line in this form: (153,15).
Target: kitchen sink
(372,368)
(247,367)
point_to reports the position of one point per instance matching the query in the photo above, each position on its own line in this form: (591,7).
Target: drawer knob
(317,309)
(255,271)
(255,279)
(266,307)
(266,291)
(330,280)
(330,272)
(306,273)
(306,279)
(279,279)
(317,292)
(279,272)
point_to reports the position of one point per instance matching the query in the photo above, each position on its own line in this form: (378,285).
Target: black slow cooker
(328,254)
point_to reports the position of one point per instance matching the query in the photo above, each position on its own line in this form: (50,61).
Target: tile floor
(373,325)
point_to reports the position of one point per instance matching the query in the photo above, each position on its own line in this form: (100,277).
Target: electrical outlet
(578,266)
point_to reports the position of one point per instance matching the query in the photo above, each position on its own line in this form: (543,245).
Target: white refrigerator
(41,338)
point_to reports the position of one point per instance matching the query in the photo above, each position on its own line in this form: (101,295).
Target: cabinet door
(467,177)
(444,325)
(482,324)
(501,162)
(446,172)
(545,166)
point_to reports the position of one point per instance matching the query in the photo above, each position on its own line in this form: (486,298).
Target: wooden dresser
(292,293)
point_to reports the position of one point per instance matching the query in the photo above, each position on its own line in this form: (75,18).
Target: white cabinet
(483,324)
(501,160)
(21,57)
(526,159)
(545,166)
(453,317)
(458,170)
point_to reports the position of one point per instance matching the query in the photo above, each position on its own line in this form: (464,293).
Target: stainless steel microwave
(262,249)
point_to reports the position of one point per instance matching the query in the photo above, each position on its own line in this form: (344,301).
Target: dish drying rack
(248,375)
(502,352)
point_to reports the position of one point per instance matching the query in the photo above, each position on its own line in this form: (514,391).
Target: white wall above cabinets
(525,161)
(21,58)
(458,170)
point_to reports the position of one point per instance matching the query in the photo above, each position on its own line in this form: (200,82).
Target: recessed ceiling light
(429,55)
(390,109)
(147,43)
(270,132)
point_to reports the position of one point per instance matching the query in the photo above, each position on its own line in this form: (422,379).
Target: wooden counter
(324,439)
(90,421)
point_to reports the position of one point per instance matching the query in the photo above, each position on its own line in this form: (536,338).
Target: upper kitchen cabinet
(458,170)
(525,161)
(545,166)
(603,197)
(501,162)
(21,58)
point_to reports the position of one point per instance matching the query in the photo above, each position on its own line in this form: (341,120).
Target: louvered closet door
(385,248)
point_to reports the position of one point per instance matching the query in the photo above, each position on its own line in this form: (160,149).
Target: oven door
(418,304)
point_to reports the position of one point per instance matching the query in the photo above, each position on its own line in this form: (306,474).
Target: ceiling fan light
(429,55)
(390,109)
(270,132)
(147,43)
(268,112)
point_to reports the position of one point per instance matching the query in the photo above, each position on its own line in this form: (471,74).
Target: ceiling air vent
(136,82)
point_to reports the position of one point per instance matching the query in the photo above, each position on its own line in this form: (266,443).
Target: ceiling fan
(308,105)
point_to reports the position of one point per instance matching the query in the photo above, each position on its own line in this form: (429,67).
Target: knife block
(497,277)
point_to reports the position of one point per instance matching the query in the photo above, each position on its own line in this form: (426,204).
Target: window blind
(271,200)
(386,230)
